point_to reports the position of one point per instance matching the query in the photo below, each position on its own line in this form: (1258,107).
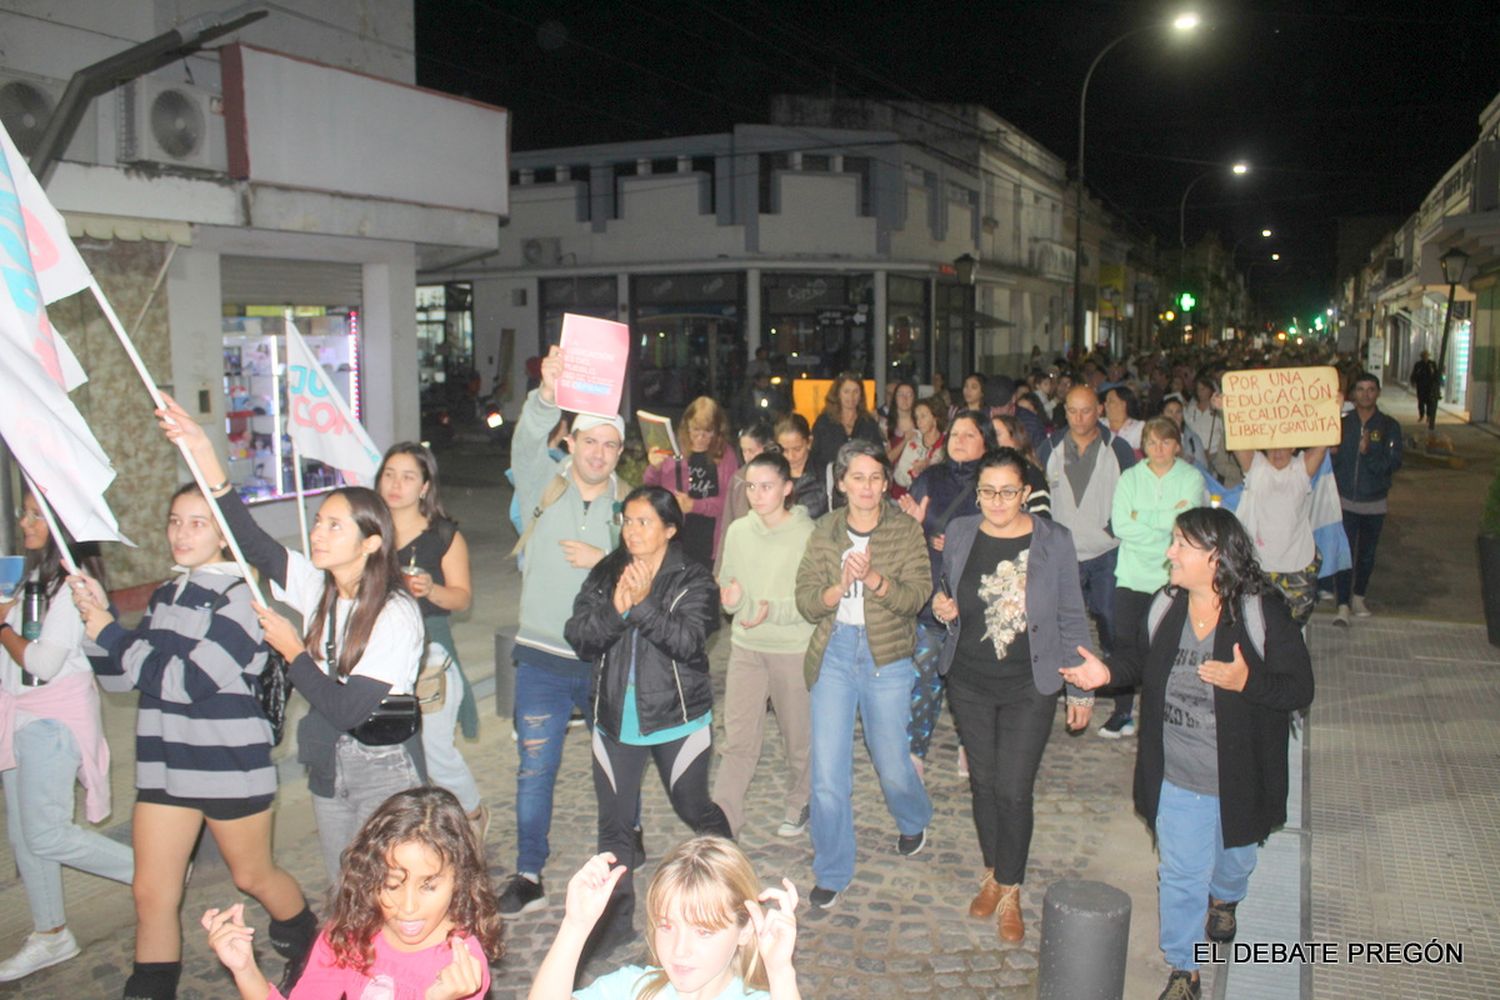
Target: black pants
(1427,401)
(1131,608)
(1004,737)
(1364,535)
(618,771)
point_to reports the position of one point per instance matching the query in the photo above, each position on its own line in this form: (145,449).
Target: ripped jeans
(545,699)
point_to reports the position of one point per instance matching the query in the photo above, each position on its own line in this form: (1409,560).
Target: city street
(1395,809)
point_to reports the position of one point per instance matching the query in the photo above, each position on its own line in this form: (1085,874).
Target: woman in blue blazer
(1010,598)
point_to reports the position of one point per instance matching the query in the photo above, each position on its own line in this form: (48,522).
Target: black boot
(153,981)
(293,940)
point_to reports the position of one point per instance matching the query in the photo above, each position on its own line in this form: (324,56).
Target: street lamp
(1239,169)
(1454,263)
(1182,24)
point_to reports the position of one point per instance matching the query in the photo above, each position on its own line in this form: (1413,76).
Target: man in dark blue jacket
(1368,455)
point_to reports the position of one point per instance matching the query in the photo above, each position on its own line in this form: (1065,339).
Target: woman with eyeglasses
(1011,601)
(861,582)
(51,735)
(758,586)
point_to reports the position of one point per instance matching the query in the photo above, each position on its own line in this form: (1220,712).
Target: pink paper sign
(595,352)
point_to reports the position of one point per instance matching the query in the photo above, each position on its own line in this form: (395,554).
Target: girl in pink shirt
(414,914)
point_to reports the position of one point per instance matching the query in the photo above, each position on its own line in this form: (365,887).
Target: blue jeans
(849,682)
(1097,577)
(364,777)
(1364,535)
(1193,865)
(39,815)
(545,699)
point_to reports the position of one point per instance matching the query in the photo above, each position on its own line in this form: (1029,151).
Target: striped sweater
(200,732)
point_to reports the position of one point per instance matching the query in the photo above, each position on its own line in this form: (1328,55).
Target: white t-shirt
(852,604)
(1277,512)
(393,655)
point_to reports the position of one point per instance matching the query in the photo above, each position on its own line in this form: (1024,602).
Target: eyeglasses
(29,517)
(1006,493)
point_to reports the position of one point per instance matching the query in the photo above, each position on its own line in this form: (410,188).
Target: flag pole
(301,500)
(156,397)
(58,538)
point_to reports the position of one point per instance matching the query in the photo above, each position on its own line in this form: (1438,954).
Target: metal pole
(7,502)
(1182,209)
(1442,360)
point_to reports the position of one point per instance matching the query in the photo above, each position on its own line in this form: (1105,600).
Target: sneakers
(1361,610)
(983,905)
(824,899)
(1222,925)
(37,953)
(1011,928)
(1324,596)
(1116,727)
(522,895)
(1342,618)
(1182,985)
(790,829)
(909,846)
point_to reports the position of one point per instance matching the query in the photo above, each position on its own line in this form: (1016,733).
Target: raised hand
(914,508)
(1088,675)
(459,978)
(230,939)
(281,634)
(589,891)
(1230,676)
(552,369)
(775,927)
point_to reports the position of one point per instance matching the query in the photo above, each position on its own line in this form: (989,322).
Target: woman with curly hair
(413,910)
(1222,667)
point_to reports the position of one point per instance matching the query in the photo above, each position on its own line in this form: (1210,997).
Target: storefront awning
(83,225)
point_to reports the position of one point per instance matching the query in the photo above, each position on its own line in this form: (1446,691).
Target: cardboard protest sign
(1281,408)
(595,352)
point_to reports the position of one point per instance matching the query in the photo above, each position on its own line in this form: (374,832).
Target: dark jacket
(1252,725)
(1424,376)
(948,488)
(1368,476)
(664,635)
(829,437)
(1055,621)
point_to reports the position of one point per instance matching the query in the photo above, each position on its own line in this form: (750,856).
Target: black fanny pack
(396,719)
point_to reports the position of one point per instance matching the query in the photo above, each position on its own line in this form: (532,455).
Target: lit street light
(1182,24)
(1240,169)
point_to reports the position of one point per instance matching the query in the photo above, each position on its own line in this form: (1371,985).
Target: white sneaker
(39,951)
(1358,604)
(1342,618)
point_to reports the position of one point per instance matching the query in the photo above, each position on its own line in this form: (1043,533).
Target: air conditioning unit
(171,124)
(541,251)
(26,106)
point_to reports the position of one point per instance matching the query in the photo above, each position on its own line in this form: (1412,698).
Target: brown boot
(983,906)
(1012,929)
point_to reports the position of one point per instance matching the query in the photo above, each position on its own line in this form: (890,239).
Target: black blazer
(1252,725)
(1055,621)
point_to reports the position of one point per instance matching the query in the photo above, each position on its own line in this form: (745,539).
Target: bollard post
(1085,941)
(505,672)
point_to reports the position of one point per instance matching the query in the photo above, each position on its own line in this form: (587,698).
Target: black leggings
(1004,738)
(618,771)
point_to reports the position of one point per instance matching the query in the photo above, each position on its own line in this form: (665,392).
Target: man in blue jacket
(1369,453)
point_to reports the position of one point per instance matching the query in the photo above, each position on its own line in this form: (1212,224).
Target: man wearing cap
(569,522)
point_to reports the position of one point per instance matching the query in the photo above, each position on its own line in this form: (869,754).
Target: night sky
(1343,107)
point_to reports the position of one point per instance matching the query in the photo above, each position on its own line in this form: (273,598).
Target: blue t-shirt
(626,982)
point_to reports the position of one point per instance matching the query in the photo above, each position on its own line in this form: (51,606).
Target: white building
(294,164)
(835,248)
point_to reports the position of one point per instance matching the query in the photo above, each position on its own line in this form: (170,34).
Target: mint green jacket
(1145,508)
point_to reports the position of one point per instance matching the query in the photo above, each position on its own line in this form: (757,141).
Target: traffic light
(1186,301)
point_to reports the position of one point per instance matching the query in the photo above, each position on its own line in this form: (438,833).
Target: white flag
(58,269)
(319,421)
(44,430)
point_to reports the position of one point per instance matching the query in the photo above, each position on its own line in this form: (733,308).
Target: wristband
(218,488)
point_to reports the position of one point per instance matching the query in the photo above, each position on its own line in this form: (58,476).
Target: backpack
(273,686)
(1252,613)
(554,492)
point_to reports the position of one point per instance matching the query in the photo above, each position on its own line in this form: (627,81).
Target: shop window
(689,339)
(254,343)
(906,333)
(818,325)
